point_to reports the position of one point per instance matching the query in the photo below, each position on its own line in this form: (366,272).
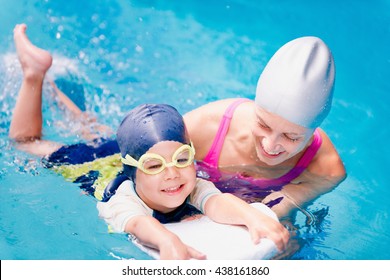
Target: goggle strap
(128,160)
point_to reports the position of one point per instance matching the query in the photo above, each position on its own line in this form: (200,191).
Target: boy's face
(168,189)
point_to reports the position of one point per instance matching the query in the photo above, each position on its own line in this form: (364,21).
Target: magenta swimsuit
(253,186)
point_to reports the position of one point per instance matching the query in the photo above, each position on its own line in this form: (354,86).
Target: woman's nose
(270,143)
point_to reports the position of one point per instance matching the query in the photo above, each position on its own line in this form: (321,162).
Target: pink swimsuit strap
(212,156)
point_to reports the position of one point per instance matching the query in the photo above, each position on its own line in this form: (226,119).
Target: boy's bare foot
(35,61)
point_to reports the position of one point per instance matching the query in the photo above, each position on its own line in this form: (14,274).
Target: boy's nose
(171,172)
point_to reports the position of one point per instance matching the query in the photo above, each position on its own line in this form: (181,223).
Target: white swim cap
(297,83)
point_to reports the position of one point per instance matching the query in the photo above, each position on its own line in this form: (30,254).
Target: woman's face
(276,139)
(168,189)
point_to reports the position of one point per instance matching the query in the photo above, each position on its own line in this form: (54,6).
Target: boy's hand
(263,226)
(177,250)
(228,209)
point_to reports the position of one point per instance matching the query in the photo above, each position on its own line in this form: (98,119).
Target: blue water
(187,53)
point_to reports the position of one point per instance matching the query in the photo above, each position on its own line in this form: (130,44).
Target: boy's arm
(153,234)
(125,213)
(229,209)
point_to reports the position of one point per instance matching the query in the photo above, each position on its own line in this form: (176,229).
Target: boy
(161,186)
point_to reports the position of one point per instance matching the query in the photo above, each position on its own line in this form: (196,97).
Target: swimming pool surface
(187,53)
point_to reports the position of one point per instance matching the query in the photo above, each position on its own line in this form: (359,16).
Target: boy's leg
(26,123)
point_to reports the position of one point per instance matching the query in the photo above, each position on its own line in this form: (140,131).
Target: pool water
(187,53)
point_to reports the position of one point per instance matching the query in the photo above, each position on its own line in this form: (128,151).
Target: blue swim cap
(145,126)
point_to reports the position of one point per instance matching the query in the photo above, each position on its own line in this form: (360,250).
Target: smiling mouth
(271,154)
(173,190)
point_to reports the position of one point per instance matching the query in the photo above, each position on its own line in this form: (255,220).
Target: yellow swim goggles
(152,164)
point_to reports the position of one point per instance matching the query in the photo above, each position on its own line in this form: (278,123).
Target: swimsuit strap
(212,156)
(311,151)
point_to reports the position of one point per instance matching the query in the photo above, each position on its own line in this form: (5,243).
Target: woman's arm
(325,172)
(299,195)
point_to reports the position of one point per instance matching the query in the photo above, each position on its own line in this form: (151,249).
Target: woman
(272,149)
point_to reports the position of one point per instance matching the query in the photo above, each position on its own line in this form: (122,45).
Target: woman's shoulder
(327,161)
(203,123)
(210,113)
(211,109)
